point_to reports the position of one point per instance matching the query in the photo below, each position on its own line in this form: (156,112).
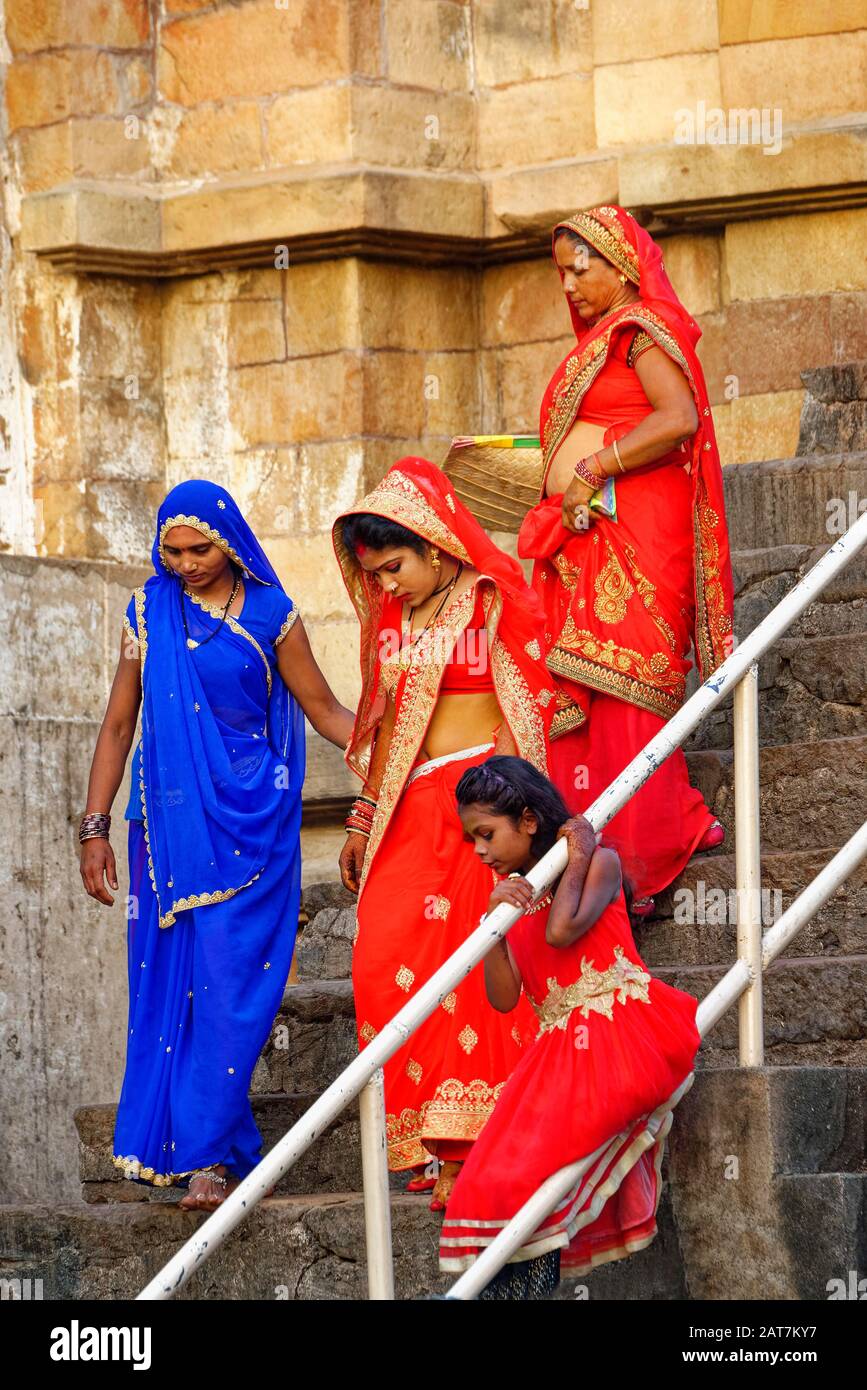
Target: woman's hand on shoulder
(97,866)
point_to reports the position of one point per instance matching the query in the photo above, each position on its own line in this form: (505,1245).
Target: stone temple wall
(280,243)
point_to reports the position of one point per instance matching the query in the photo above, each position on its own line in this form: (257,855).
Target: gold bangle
(617,456)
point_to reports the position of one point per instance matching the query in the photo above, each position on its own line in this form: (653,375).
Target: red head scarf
(616,235)
(418,495)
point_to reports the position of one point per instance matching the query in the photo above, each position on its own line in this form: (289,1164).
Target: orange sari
(423,889)
(625,599)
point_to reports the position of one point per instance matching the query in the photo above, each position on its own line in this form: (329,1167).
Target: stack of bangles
(361,813)
(596,480)
(94,827)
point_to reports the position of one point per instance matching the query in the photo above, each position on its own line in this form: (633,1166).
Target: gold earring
(435,557)
(622,278)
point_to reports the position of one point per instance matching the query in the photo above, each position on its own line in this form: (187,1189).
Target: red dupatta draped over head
(616,235)
(418,495)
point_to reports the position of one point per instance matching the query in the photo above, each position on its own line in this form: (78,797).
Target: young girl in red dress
(614,1052)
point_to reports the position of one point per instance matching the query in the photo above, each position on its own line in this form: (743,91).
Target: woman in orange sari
(629,539)
(452,670)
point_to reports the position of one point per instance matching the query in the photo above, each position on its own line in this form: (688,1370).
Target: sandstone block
(402,307)
(310,127)
(264,483)
(309,571)
(54,86)
(780,255)
(321,306)
(329,481)
(108,149)
(764,344)
(43,157)
(429,44)
(57,439)
(255,51)
(255,332)
(216,140)
(119,331)
(522,45)
(335,646)
(633,31)
(394,398)
(34,25)
(765,426)
(451,393)
(293,402)
(747,21)
(122,437)
(365,45)
(524,373)
(805,78)
(636,103)
(411,128)
(285,206)
(693,265)
(554,115)
(533,200)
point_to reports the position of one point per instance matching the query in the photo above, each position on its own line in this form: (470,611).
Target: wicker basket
(497,477)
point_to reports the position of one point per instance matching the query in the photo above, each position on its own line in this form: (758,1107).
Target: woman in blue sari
(215,654)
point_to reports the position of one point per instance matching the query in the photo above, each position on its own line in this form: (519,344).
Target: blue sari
(215,864)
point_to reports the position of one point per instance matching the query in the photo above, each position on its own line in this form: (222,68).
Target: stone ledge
(88,227)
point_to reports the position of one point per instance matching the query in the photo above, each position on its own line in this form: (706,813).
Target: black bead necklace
(191,643)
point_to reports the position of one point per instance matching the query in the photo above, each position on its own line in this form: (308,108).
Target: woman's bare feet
(208,1189)
(445,1182)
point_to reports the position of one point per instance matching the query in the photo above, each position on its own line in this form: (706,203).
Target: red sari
(614,1053)
(423,889)
(625,599)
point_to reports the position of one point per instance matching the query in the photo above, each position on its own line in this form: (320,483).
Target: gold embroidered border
(513,693)
(566,719)
(129,630)
(287,627)
(582,657)
(457,1110)
(600,226)
(213,536)
(595,991)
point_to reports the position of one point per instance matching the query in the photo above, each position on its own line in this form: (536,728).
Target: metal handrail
(732,986)
(364,1068)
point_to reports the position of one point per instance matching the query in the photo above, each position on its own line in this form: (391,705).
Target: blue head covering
(222,751)
(213,511)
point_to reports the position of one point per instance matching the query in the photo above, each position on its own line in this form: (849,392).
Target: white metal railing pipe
(734,983)
(748,866)
(394,1034)
(377,1198)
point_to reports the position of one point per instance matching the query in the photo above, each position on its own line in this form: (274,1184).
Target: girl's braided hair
(508,785)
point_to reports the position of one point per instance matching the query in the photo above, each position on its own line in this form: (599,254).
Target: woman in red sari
(452,669)
(627,594)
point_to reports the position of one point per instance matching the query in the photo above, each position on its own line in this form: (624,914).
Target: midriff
(461,721)
(582,439)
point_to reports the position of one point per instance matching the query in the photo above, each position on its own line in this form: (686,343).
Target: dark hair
(578,242)
(508,785)
(378,533)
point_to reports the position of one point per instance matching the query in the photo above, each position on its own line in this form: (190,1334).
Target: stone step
(815,1011)
(797,1136)
(810,688)
(811,794)
(332,1164)
(694,925)
(793,500)
(815,1014)
(312,1040)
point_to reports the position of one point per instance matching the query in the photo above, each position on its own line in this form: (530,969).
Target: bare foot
(208,1189)
(445,1182)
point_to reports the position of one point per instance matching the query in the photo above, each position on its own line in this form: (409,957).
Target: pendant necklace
(446,591)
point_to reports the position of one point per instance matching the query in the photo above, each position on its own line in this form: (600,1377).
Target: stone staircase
(768,1168)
